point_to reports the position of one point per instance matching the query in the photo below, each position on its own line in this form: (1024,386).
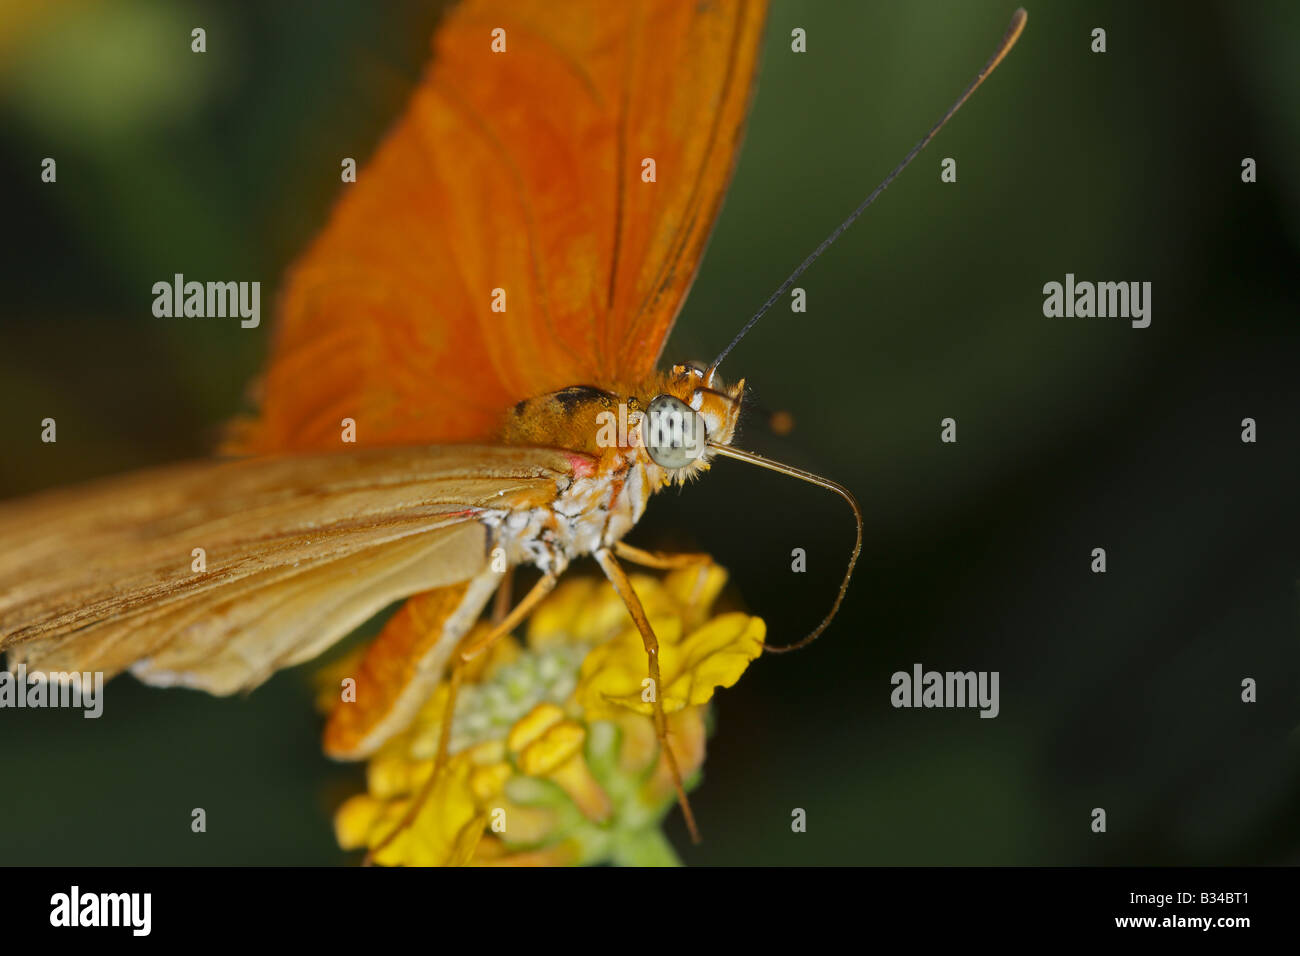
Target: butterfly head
(665,425)
(689,412)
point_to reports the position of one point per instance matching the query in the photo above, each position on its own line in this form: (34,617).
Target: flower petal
(691,668)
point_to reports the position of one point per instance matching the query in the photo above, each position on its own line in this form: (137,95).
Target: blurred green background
(1118,691)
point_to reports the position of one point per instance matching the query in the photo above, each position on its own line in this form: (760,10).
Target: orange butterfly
(491,294)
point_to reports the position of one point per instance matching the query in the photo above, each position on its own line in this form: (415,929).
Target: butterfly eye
(672,432)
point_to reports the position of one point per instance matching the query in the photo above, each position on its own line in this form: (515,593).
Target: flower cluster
(553,756)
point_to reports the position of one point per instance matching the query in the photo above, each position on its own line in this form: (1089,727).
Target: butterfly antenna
(789,470)
(1004,47)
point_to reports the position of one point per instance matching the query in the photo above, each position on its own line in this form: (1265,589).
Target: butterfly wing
(521,179)
(402,667)
(296,552)
(517,180)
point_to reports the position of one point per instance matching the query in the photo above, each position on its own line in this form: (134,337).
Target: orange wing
(521,171)
(298,550)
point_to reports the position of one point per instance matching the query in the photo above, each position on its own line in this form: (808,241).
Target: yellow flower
(553,755)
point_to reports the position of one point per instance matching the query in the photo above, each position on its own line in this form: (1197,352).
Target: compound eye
(672,432)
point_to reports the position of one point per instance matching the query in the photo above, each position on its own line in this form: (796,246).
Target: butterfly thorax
(607,431)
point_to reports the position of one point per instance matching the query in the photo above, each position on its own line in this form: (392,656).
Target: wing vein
(684,234)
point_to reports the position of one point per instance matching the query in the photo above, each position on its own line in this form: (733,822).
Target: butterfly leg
(618,577)
(466,654)
(505,591)
(662,561)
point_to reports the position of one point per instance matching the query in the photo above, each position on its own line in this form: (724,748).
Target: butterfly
(463,380)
